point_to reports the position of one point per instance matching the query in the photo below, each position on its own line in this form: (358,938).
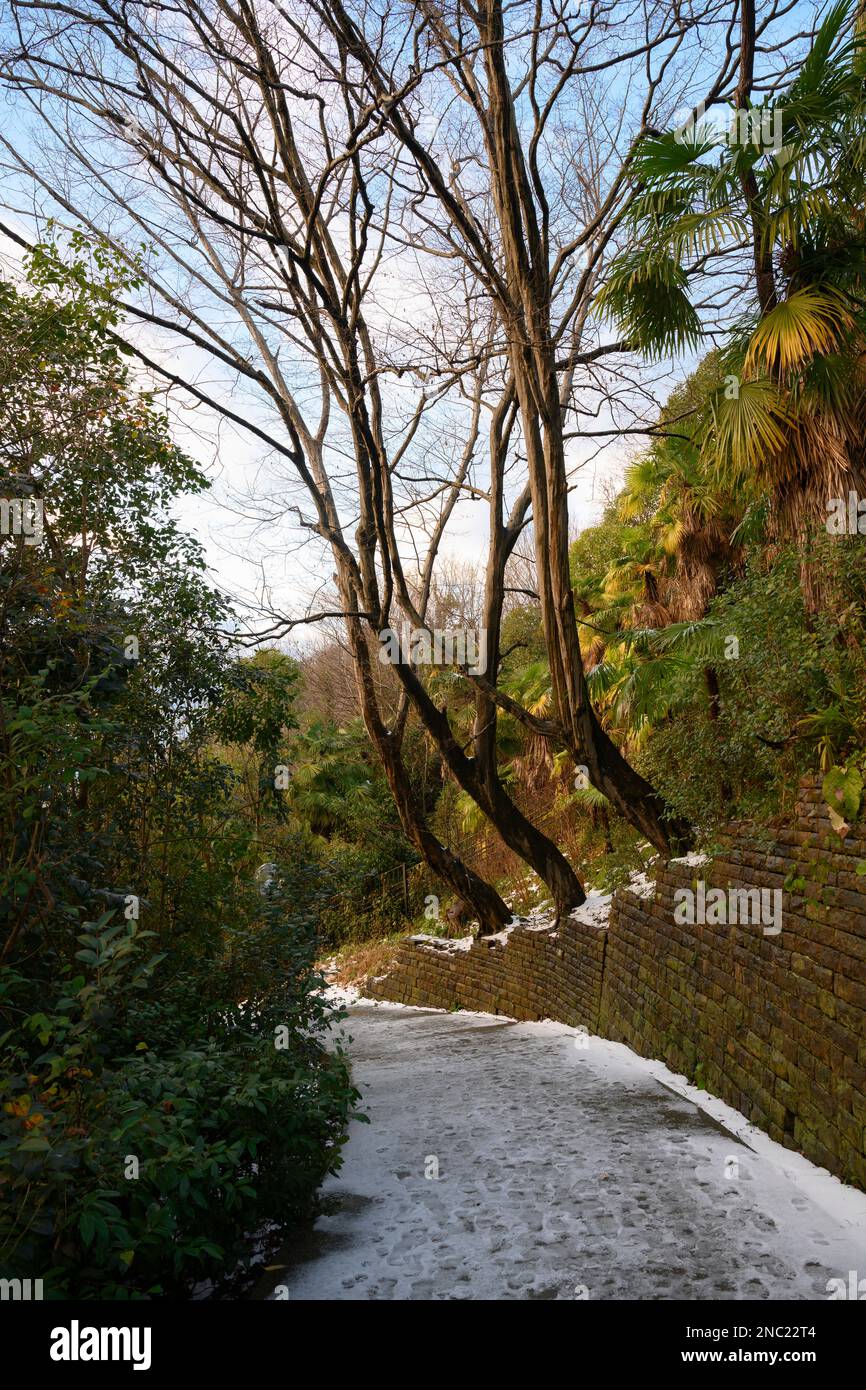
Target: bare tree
(286,161)
(502,88)
(252,169)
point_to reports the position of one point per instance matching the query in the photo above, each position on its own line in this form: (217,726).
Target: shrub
(166,1101)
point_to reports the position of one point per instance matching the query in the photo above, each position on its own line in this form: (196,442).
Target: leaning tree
(383,226)
(493,106)
(248,165)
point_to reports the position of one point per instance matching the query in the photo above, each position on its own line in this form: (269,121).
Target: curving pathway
(567,1168)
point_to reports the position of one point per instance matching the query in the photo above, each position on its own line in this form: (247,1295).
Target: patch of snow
(843,1203)
(448,944)
(341,996)
(349,997)
(613,1178)
(595,911)
(501,936)
(694,860)
(640,886)
(540,918)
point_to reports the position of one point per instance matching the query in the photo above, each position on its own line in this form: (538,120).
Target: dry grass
(359,960)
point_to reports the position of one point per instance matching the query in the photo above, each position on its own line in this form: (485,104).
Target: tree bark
(536,848)
(762,255)
(526,319)
(483,785)
(490,909)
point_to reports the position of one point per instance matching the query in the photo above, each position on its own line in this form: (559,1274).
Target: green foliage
(647,295)
(167,1100)
(522,638)
(594,552)
(340,804)
(258,702)
(144,1140)
(842,789)
(793,427)
(792,693)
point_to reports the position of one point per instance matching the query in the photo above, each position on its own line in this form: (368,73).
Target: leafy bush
(143,1144)
(166,1100)
(792,695)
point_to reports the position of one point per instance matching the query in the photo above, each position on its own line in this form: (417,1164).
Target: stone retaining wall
(526,974)
(774,1024)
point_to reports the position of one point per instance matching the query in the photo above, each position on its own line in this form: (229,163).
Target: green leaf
(842,789)
(36,1143)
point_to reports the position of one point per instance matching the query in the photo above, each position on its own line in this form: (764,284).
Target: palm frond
(646,294)
(813,71)
(746,429)
(590,797)
(701,232)
(699,641)
(672,154)
(808,322)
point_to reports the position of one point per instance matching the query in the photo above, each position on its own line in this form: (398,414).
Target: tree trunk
(526,319)
(490,909)
(486,904)
(762,255)
(521,293)
(715,704)
(518,833)
(589,744)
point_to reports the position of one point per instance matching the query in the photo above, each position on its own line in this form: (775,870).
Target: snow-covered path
(564,1171)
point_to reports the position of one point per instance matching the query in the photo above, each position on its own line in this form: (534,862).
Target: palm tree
(788,415)
(332,785)
(692,529)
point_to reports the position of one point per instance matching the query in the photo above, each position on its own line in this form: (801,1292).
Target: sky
(261,557)
(248,558)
